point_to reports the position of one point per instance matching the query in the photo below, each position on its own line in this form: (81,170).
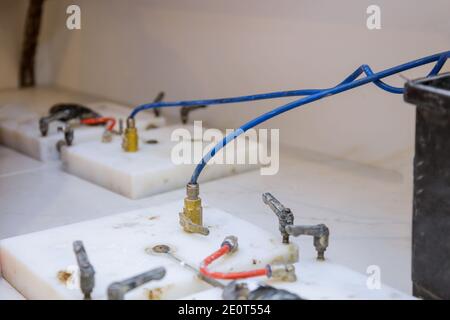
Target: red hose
(100,120)
(230,275)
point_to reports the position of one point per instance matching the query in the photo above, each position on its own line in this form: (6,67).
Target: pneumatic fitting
(130,137)
(191,218)
(319,232)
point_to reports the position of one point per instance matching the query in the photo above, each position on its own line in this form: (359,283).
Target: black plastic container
(431,206)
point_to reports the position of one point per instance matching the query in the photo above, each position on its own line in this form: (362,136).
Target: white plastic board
(19,128)
(117,247)
(150,170)
(322,280)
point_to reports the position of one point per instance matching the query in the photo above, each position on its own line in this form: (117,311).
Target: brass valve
(130,137)
(191,219)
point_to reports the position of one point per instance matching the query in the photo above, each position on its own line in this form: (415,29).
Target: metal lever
(184,112)
(44,122)
(87,272)
(159,98)
(285,216)
(65,112)
(68,136)
(320,233)
(117,290)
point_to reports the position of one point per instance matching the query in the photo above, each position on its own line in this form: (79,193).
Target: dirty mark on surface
(64,276)
(291,257)
(154,294)
(254,261)
(125,225)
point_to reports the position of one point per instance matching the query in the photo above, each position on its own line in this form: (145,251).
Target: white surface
(19,128)
(32,200)
(320,280)
(7,292)
(150,170)
(12,162)
(367,209)
(117,246)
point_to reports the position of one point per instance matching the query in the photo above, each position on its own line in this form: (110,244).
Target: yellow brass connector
(130,137)
(191,219)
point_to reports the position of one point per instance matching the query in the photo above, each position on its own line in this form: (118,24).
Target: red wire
(230,275)
(112,121)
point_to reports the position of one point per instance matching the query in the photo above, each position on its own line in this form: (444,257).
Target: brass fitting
(282,272)
(191,219)
(130,137)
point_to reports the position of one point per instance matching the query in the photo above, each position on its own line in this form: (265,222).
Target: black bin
(431,201)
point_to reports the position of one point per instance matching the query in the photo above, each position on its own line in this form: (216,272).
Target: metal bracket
(191,227)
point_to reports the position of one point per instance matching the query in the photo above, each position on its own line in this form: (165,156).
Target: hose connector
(130,137)
(282,272)
(191,219)
(321,235)
(231,242)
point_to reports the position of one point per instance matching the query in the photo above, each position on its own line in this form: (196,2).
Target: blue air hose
(349,83)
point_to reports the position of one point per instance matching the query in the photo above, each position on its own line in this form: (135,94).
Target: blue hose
(255,97)
(349,83)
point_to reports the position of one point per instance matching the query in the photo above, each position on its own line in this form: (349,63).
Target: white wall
(129,50)
(12,19)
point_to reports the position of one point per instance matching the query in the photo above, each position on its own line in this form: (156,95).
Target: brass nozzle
(130,137)
(191,219)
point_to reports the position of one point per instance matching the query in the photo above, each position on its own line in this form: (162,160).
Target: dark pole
(32,27)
